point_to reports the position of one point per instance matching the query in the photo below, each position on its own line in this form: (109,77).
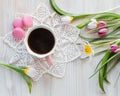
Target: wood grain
(75,82)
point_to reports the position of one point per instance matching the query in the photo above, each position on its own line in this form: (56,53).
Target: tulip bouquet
(107,34)
(102,30)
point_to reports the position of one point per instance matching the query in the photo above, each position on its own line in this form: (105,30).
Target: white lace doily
(65,51)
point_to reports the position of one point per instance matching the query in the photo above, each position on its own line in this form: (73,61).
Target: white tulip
(30,71)
(66,19)
(93,24)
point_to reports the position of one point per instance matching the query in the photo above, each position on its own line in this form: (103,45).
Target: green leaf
(109,20)
(106,14)
(117,36)
(117,28)
(27,79)
(102,38)
(105,74)
(100,52)
(114,64)
(117,78)
(111,58)
(102,70)
(101,81)
(101,44)
(99,39)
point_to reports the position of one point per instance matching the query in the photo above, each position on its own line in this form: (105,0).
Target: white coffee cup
(27,36)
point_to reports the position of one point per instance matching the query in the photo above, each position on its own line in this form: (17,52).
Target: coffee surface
(41,41)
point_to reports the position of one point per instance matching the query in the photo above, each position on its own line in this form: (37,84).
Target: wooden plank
(75,82)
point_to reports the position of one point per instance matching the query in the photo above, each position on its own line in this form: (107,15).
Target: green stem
(81,25)
(106,14)
(98,16)
(62,12)
(117,25)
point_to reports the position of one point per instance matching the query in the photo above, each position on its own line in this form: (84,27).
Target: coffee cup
(40,41)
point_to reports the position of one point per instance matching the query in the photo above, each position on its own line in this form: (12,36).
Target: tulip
(66,19)
(102,32)
(113,47)
(30,71)
(93,24)
(102,24)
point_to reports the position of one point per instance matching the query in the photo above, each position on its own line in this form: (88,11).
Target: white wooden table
(75,82)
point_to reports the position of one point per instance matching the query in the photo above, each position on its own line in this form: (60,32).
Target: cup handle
(49,60)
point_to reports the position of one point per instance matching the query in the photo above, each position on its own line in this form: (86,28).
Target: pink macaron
(18,33)
(27,21)
(18,22)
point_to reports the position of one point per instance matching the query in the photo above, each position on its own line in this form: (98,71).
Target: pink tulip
(102,32)
(113,47)
(102,24)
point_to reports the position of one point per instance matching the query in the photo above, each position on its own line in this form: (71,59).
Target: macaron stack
(19,24)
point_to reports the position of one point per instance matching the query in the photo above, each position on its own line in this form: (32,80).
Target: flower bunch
(102,30)
(105,33)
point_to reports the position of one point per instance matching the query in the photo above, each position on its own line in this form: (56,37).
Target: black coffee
(41,41)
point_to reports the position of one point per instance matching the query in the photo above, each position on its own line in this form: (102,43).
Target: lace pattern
(65,51)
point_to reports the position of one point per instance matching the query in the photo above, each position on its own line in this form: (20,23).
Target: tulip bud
(113,47)
(30,71)
(66,19)
(102,24)
(102,32)
(93,24)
